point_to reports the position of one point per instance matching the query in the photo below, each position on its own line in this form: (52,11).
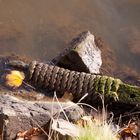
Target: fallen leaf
(14,79)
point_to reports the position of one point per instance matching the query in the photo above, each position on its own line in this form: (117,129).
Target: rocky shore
(25,108)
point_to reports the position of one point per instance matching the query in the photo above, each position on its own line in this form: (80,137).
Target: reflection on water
(41,29)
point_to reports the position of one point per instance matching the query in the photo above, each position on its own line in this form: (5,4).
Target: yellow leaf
(14,79)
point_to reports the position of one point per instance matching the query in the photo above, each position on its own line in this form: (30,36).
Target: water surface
(41,29)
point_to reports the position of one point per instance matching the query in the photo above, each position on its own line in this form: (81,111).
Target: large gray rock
(81,55)
(20,115)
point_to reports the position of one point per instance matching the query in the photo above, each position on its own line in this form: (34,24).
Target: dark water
(40,29)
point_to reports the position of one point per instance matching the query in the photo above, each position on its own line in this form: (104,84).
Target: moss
(129,93)
(115,85)
(108,85)
(96,83)
(101,87)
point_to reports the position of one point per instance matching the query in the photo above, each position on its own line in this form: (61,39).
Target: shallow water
(41,29)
